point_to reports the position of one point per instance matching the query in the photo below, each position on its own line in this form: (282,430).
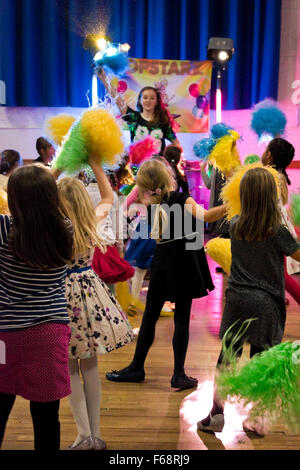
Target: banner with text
(184,86)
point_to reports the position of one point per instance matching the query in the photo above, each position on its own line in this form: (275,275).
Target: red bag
(110,267)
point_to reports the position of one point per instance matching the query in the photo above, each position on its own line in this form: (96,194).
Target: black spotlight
(220,50)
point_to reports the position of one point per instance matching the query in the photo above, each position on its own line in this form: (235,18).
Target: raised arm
(112,91)
(105,190)
(211,215)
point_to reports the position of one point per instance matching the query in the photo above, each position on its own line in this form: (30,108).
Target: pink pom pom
(143,149)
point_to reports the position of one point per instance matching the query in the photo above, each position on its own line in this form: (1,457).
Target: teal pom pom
(203,148)
(117,63)
(267,118)
(73,154)
(219,130)
(295,207)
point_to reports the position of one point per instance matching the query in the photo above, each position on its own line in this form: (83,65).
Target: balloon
(201,102)
(194,90)
(122,86)
(197,113)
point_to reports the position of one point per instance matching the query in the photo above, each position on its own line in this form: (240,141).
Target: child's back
(256,286)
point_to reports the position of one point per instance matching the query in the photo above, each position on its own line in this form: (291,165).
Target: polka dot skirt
(36,362)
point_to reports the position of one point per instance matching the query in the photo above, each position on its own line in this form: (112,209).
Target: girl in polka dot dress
(98,323)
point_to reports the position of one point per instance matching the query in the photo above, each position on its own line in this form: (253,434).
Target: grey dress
(256,287)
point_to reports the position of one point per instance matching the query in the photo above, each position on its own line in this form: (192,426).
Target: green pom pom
(253,158)
(73,154)
(295,206)
(270,381)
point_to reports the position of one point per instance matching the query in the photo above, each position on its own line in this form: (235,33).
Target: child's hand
(203,166)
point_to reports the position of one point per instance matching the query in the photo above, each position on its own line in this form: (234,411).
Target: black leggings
(45,421)
(155,301)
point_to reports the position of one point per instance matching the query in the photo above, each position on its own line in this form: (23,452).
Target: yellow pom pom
(219,249)
(225,155)
(102,134)
(57,127)
(3,202)
(230,193)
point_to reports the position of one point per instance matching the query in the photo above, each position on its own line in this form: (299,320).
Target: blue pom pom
(267,118)
(203,148)
(219,130)
(117,63)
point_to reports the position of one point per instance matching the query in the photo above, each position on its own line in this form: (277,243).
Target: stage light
(218,105)
(94,42)
(94,91)
(223,56)
(220,50)
(101,43)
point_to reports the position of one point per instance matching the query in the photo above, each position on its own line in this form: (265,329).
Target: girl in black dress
(179,270)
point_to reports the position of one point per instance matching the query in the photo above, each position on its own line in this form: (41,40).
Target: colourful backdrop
(184,86)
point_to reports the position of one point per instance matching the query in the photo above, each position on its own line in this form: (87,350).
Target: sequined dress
(97,321)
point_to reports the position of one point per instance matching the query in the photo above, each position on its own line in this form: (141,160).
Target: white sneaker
(216,424)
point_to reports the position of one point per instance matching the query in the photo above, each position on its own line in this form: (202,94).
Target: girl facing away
(179,270)
(98,323)
(35,245)
(255,291)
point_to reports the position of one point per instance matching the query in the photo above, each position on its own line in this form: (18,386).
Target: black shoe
(183,382)
(126,375)
(219,269)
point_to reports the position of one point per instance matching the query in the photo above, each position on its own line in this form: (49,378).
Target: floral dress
(97,321)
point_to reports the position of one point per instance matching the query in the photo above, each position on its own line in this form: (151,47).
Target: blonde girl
(179,271)
(97,322)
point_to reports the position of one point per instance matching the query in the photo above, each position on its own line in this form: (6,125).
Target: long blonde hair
(155,182)
(76,204)
(260,216)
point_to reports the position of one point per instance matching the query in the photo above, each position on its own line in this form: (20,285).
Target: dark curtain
(43,62)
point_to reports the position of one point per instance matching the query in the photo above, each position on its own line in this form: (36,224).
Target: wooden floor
(153,416)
